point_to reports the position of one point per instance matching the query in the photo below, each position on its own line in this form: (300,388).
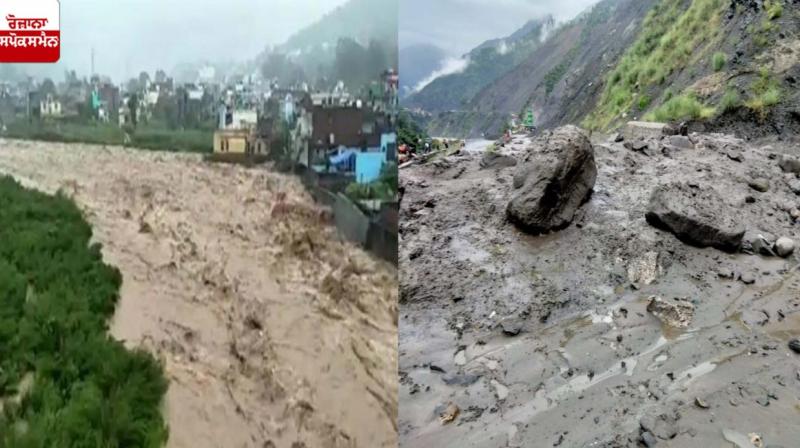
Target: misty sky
(134,35)
(457,26)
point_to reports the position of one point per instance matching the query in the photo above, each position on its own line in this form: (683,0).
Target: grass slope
(673,36)
(63,381)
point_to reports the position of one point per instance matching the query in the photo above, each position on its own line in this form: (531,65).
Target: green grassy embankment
(63,381)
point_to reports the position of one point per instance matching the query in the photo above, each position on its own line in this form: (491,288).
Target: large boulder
(554,179)
(698,216)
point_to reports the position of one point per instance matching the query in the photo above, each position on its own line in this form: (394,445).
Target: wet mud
(547,340)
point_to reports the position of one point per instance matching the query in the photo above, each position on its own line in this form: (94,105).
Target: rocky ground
(273,333)
(662,316)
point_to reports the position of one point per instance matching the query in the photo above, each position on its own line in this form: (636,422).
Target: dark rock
(790,164)
(681,142)
(512,326)
(736,156)
(493,160)
(794,345)
(697,216)
(648,439)
(462,380)
(639,145)
(759,184)
(555,179)
(435,368)
(618,138)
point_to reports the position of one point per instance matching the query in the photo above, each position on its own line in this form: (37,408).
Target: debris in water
(676,313)
(449,414)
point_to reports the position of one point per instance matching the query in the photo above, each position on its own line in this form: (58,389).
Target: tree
(133,108)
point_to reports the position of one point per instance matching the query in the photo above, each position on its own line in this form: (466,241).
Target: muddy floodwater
(514,340)
(272,331)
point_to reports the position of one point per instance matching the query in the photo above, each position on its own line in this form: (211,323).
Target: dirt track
(273,333)
(546,340)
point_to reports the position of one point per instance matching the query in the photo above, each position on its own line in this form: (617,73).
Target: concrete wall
(350,221)
(642,129)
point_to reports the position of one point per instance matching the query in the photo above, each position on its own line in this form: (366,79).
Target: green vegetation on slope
(63,381)
(680,107)
(670,35)
(145,136)
(766,92)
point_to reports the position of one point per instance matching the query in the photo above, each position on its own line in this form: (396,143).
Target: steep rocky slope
(726,64)
(486,63)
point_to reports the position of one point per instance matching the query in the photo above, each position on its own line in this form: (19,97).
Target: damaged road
(273,333)
(629,327)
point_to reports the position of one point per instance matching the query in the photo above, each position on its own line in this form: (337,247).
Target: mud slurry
(273,333)
(547,341)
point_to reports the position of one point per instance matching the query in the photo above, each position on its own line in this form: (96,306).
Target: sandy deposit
(273,333)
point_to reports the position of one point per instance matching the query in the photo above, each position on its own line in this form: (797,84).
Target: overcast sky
(457,26)
(134,35)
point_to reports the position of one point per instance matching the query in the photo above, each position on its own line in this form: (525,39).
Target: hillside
(360,20)
(486,63)
(418,62)
(353,43)
(723,63)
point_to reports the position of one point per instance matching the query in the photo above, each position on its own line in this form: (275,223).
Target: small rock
(747,278)
(648,439)
(790,164)
(794,185)
(794,345)
(461,380)
(784,247)
(681,142)
(736,156)
(673,312)
(759,184)
(700,403)
(511,326)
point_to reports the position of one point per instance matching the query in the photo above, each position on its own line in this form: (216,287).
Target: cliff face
(721,64)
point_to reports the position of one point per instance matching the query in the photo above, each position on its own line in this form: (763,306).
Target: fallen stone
(512,326)
(639,145)
(648,439)
(784,247)
(794,185)
(555,179)
(697,216)
(760,184)
(617,138)
(736,156)
(492,160)
(462,380)
(642,129)
(677,313)
(747,278)
(680,142)
(755,242)
(790,164)
(794,345)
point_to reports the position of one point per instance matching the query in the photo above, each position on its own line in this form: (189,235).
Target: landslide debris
(556,176)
